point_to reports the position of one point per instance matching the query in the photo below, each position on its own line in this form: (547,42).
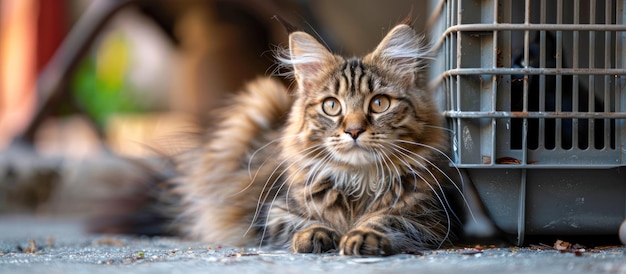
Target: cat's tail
(210,192)
(142,203)
(224,182)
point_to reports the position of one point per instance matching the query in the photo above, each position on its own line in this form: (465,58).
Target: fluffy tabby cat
(352,161)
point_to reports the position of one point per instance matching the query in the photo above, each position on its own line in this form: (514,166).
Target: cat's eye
(331,106)
(380,103)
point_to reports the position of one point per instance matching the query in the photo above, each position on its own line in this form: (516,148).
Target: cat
(352,161)
(550,99)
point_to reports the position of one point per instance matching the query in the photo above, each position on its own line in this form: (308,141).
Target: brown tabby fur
(365,180)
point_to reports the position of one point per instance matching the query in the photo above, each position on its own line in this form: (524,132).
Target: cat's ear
(401,51)
(309,58)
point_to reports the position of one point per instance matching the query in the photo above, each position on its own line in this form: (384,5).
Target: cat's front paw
(315,239)
(365,242)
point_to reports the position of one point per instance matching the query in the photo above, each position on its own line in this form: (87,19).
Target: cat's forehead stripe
(356,77)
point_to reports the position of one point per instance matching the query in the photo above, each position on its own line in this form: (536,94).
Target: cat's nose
(355,132)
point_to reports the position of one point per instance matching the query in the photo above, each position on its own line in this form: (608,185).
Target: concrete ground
(47,245)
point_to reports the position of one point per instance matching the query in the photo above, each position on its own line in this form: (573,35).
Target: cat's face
(358,113)
(363,112)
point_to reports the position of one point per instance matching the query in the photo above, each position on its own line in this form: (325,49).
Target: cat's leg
(315,239)
(303,235)
(366,241)
(384,235)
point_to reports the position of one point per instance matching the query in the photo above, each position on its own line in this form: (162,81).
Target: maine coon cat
(352,161)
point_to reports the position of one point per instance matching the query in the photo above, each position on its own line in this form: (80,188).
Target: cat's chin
(354,157)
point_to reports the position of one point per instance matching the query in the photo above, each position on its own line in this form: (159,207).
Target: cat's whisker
(439,195)
(450,131)
(312,178)
(440,127)
(302,161)
(405,152)
(439,151)
(292,177)
(264,147)
(430,163)
(453,183)
(284,182)
(382,176)
(263,198)
(391,176)
(265,193)
(308,151)
(253,178)
(289,182)
(269,210)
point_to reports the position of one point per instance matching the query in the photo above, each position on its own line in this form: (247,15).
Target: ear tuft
(402,50)
(308,57)
(289,28)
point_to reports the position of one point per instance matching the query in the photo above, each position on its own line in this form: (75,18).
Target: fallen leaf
(562,245)
(30,248)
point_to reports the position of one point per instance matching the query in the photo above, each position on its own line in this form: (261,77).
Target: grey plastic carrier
(534,93)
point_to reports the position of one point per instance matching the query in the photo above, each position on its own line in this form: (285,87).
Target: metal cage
(534,93)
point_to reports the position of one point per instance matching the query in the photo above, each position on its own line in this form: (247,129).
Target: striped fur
(353,164)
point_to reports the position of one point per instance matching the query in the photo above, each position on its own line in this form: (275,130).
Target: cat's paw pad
(365,243)
(315,239)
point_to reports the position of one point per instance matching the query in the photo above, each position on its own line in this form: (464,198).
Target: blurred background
(87,83)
